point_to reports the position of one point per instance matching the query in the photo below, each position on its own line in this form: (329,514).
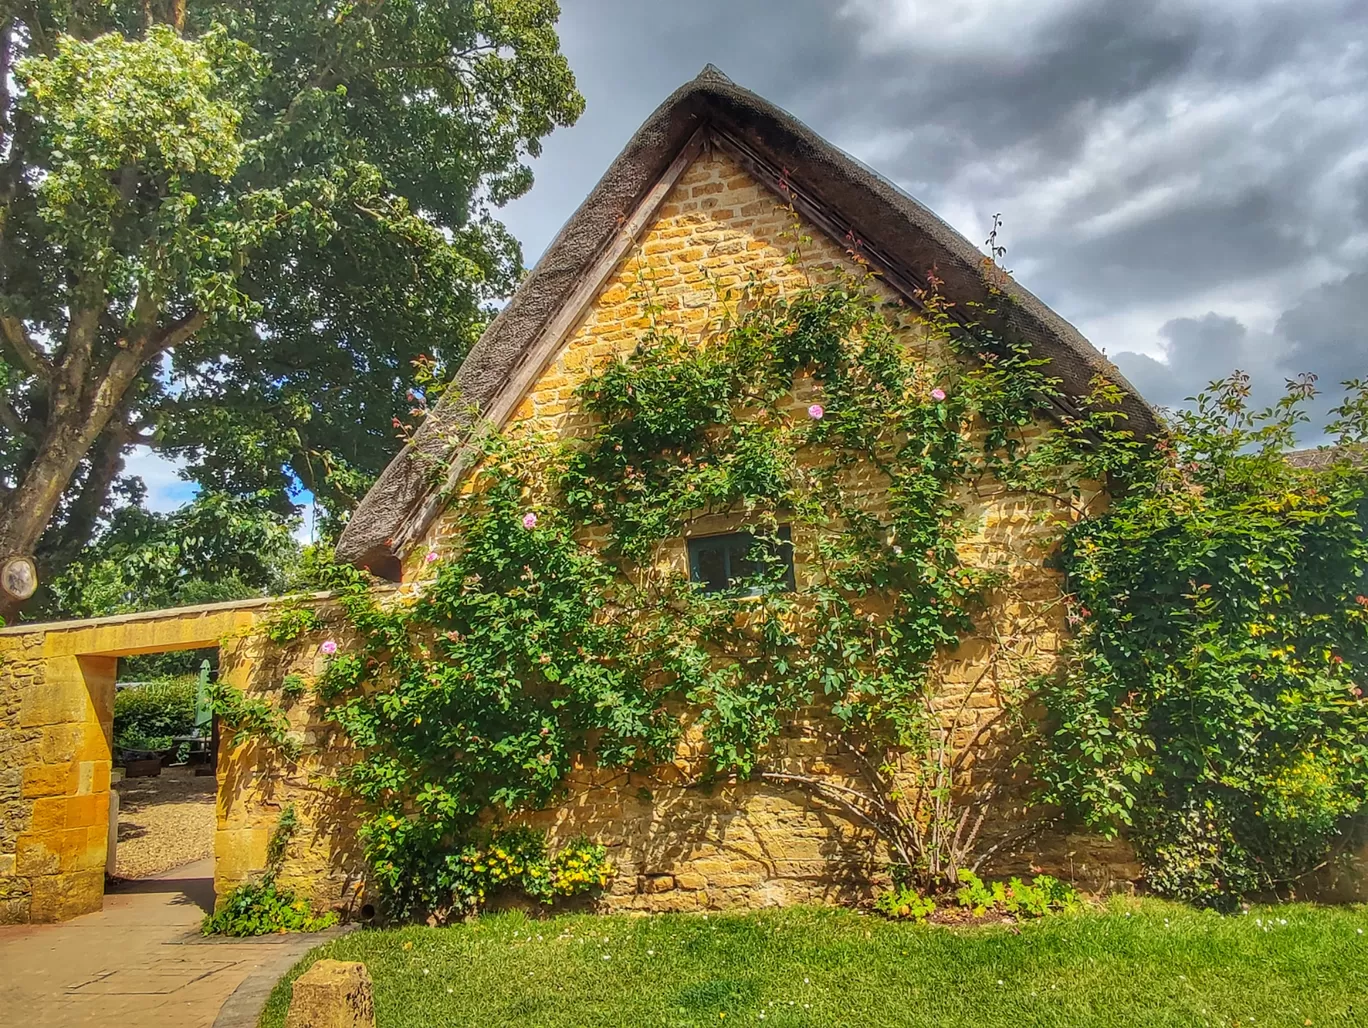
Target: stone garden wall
(56,726)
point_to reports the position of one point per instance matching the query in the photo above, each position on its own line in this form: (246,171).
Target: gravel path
(164,822)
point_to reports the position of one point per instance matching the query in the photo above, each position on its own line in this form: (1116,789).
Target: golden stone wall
(257,782)
(56,728)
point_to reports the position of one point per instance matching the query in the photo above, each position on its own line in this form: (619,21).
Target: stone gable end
(717,234)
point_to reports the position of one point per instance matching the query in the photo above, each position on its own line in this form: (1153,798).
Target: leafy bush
(261,907)
(288,622)
(1214,707)
(248,717)
(147,716)
(218,547)
(292,687)
(1043,894)
(903,901)
(513,860)
(1037,898)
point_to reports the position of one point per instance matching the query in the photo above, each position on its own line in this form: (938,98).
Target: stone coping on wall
(30,627)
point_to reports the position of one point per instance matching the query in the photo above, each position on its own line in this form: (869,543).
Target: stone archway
(56,727)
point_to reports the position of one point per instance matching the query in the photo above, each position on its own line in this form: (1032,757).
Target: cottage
(709,197)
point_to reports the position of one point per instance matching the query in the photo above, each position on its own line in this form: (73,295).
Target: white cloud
(1000,27)
(166,490)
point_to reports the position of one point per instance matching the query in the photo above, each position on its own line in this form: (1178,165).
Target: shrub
(147,716)
(261,907)
(510,861)
(1040,896)
(1036,899)
(1213,709)
(905,902)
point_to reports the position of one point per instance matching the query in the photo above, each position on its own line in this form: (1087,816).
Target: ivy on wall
(1210,707)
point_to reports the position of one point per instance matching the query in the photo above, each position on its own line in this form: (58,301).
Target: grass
(1141,964)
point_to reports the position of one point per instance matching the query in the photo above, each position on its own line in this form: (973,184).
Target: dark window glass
(721,563)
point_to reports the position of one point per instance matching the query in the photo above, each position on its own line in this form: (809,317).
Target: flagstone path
(140,962)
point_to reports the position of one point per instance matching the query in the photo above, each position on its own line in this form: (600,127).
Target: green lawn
(1143,964)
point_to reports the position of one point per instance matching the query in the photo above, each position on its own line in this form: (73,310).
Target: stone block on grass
(332,994)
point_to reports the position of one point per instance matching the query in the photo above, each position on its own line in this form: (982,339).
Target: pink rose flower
(329,647)
(815,412)
(431,556)
(529,520)
(938,395)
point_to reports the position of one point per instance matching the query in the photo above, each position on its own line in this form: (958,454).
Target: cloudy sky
(1184,180)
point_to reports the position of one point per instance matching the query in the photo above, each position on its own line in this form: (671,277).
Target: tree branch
(176,333)
(74,357)
(6,60)
(9,417)
(59,548)
(30,356)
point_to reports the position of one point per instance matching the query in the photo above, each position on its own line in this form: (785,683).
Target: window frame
(731,551)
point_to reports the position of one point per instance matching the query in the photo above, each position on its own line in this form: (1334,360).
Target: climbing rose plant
(1208,707)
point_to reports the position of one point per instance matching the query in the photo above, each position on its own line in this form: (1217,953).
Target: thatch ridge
(1319,457)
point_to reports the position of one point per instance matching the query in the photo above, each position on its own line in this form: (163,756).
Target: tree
(216,548)
(228,229)
(1213,707)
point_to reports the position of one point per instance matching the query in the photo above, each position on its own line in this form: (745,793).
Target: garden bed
(1133,963)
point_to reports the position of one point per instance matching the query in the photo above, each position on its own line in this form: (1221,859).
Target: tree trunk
(59,547)
(29,508)
(80,410)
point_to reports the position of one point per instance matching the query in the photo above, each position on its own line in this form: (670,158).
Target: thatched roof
(900,237)
(1323,456)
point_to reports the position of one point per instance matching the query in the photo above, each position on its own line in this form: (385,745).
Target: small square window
(719,563)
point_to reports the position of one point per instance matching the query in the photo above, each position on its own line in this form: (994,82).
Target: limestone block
(240,851)
(39,855)
(85,811)
(62,896)
(332,994)
(49,815)
(59,743)
(59,700)
(49,780)
(14,911)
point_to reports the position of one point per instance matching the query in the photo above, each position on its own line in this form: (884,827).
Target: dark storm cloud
(1185,250)
(976,101)
(1185,179)
(1198,351)
(1326,331)
(1322,334)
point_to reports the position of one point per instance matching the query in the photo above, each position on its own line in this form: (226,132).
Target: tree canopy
(217,547)
(228,230)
